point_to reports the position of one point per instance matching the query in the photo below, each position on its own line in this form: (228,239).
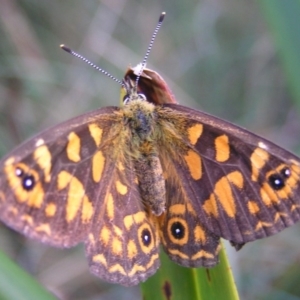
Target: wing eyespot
(28,180)
(178,230)
(146,237)
(277,181)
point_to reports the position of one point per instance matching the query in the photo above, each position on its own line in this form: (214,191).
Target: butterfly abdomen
(151,180)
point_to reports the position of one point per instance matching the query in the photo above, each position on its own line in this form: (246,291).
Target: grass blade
(15,283)
(175,282)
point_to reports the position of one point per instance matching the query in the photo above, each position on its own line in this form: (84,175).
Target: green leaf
(175,282)
(15,283)
(284,23)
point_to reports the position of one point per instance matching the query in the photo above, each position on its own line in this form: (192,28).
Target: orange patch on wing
(178,253)
(199,234)
(91,239)
(210,206)
(121,188)
(258,159)
(50,209)
(73,147)
(236,178)
(194,132)
(261,224)
(142,268)
(194,164)
(223,193)
(131,249)
(117,246)
(42,156)
(120,166)
(36,196)
(222,148)
(136,218)
(76,195)
(45,228)
(110,208)
(99,258)
(98,163)
(202,254)
(268,195)
(177,209)
(253,207)
(87,210)
(105,235)
(96,133)
(117,268)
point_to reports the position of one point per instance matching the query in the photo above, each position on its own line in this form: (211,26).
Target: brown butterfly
(124,180)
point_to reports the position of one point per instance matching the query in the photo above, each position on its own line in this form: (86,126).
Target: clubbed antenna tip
(143,64)
(161,17)
(64,47)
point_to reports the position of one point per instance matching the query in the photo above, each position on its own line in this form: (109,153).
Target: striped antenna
(143,64)
(67,49)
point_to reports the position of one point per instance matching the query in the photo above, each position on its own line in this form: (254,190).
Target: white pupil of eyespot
(28,182)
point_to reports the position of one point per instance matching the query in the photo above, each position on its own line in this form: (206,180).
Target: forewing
(47,189)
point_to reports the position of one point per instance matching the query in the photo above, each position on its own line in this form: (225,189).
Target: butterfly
(125,180)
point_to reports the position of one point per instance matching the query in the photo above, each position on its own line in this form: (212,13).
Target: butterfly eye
(126,99)
(142,96)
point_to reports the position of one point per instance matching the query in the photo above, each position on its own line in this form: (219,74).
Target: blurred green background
(237,59)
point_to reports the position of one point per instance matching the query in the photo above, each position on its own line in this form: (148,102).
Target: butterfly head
(130,91)
(150,87)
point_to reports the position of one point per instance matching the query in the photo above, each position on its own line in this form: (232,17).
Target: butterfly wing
(224,182)
(42,182)
(76,183)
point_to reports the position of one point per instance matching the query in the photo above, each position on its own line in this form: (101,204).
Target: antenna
(143,64)
(67,49)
